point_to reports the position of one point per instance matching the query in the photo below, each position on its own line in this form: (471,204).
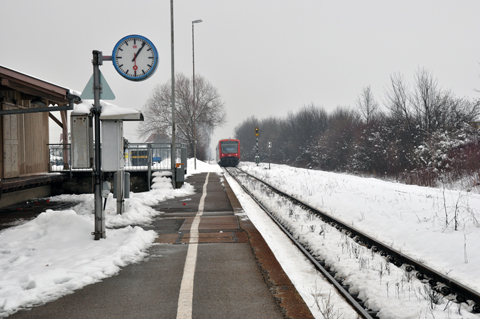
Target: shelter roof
(31,86)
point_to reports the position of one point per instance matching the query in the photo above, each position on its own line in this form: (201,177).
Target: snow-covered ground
(55,254)
(417,221)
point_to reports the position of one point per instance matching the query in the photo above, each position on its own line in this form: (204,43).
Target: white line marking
(185,298)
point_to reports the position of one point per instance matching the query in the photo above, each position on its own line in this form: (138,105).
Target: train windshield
(229,147)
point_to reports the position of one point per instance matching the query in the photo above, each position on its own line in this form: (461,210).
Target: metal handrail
(138,157)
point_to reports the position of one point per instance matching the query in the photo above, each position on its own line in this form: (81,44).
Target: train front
(228,152)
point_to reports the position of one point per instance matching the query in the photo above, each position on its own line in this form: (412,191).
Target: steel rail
(343,292)
(441,283)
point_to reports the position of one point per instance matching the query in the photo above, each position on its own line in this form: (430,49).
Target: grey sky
(266,57)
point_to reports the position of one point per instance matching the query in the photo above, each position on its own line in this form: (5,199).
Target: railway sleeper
(409,268)
(475,308)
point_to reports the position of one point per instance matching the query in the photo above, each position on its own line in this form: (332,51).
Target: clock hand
(135,67)
(139,51)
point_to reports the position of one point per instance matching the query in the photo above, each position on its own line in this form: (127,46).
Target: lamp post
(194,98)
(173,149)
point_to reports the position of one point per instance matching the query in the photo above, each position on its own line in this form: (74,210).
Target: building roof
(31,86)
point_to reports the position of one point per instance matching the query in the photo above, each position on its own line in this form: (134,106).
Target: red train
(228,152)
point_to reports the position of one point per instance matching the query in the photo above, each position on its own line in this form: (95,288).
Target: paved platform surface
(235,275)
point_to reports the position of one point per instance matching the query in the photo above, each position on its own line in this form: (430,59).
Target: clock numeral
(120,65)
(149,49)
(143,71)
(126,43)
(151,57)
(149,65)
(127,72)
(120,49)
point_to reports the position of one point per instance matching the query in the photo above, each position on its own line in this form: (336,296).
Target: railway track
(449,288)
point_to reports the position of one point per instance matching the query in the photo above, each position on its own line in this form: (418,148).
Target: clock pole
(97,60)
(97,109)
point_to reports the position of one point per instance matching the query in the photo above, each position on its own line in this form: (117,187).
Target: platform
(208,261)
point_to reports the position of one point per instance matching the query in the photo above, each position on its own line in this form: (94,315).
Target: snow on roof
(109,111)
(76,93)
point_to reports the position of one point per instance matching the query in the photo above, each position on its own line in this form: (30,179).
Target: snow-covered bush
(448,155)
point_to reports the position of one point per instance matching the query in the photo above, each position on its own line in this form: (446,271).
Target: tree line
(420,134)
(197,114)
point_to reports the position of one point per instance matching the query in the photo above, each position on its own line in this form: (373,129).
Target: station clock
(135,58)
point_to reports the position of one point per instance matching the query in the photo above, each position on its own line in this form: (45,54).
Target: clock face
(135,58)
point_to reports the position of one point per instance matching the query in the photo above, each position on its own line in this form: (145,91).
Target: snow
(108,109)
(417,221)
(83,108)
(55,254)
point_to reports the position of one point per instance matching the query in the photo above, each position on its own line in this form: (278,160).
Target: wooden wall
(36,156)
(24,139)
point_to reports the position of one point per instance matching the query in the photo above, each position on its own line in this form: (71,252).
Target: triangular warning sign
(106,92)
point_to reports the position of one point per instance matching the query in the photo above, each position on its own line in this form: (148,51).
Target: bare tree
(301,131)
(245,133)
(336,146)
(367,105)
(397,100)
(195,120)
(436,108)
(426,101)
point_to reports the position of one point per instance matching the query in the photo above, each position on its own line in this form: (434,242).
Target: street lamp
(194,98)
(173,150)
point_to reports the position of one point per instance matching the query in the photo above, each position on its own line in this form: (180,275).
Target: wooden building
(26,103)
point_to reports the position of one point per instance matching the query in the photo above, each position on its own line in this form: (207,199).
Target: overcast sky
(265,57)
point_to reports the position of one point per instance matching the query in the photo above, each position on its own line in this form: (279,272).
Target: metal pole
(97,109)
(149,162)
(173,150)
(257,157)
(194,103)
(119,187)
(194,99)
